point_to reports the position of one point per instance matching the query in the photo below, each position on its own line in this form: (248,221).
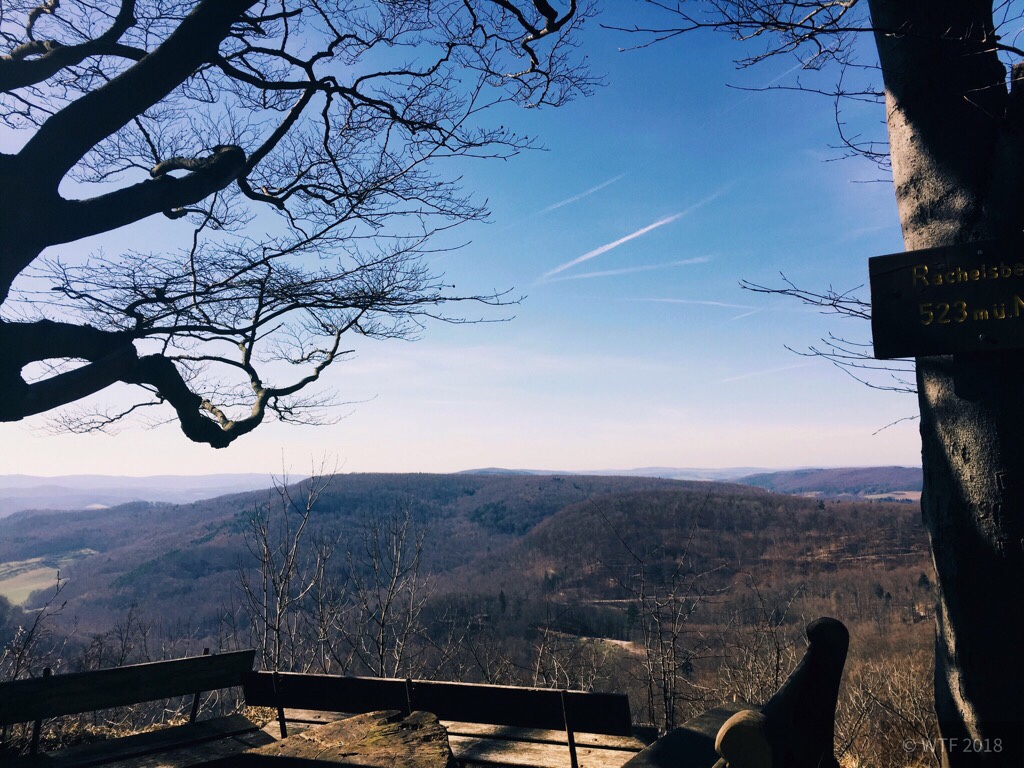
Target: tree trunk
(956,140)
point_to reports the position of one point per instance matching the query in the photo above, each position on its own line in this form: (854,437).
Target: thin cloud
(746,314)
(700,302)
(631,270)
(754,374)
(753,91)
(581,195)
(609,246)
(632,236)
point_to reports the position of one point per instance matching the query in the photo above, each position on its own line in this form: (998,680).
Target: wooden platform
(472,744)
(220,737)
(385,739)
(494,745)
(490,745)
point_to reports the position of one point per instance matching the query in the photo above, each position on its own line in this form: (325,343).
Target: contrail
(632,236)
(764,373)
(752,92)
(631,270)
(614,244)
(581,195)
(705,303)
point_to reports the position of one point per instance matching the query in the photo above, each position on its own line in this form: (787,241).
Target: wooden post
(38,724)
(195,699)
(568,732)
(408,696)
(280,709)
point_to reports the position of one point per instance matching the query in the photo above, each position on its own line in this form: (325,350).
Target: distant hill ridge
(77,492)
(825,481)
(722,474)
(842,481)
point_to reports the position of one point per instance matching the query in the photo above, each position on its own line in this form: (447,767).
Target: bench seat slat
(26,700)
(629,744)
(475,750)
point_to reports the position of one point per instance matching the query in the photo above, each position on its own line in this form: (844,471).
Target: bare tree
(35,650)
(309,606)
(950,78)
(483,654)
(126,642)
(672,643)
(386,631)
(565,660)
(885,716)
(765,652)
(35,644)
(292,147)
(284,573)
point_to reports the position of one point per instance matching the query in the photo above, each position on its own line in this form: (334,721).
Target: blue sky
(634,345)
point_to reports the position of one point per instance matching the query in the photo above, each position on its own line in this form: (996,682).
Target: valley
(545,580)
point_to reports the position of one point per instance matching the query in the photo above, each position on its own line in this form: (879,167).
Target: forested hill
(480,534)
(842,481)
(584,550)
(189,554)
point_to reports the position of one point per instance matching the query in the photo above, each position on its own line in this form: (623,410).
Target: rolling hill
(840,482)
(562,537)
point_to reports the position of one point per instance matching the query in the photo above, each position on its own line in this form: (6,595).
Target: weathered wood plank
(312,716)
(226,749)
(232,729)
(25,700)
(472,749)
(510,733)
(373,740)
(300,719)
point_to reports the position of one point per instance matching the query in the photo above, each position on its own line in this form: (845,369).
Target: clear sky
(634,345)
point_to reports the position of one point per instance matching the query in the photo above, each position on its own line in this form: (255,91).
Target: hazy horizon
(481,469)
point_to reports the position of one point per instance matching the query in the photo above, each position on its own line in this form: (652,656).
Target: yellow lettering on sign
(921,273)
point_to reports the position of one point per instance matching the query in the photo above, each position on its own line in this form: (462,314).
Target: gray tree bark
(957,143)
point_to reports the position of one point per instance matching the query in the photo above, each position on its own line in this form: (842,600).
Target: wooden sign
(939,301)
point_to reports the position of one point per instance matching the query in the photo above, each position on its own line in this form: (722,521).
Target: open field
(914,496)
(20,578)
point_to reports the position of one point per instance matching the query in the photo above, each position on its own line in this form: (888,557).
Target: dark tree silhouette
(295,143)
(953,104)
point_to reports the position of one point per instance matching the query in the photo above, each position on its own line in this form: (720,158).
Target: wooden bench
(36,699)
(546,711)
(535,708)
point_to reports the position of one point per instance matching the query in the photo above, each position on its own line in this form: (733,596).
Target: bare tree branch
(297,149)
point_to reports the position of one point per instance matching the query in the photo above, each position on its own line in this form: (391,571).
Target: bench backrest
(42,697)
(605,713)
